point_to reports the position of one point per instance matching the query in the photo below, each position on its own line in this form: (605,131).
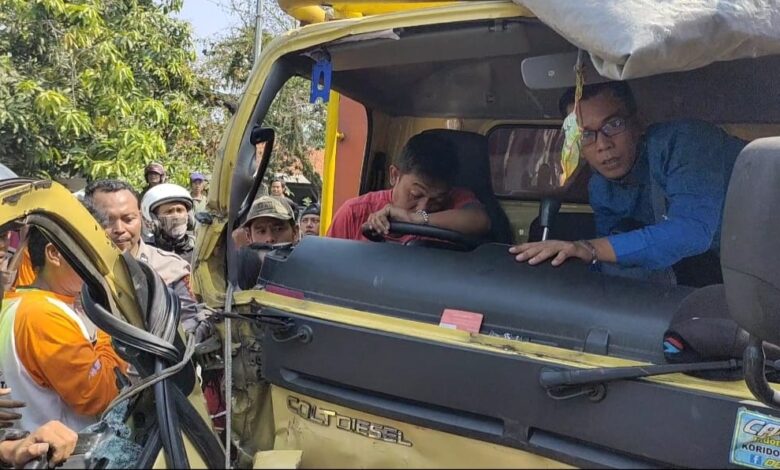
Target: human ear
(395,174)
(53,255)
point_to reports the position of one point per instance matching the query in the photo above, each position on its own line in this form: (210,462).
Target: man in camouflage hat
(271,221)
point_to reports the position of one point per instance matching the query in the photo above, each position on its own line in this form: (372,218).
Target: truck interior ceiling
(473,71)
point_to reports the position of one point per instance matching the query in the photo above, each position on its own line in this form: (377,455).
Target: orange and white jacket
(50,361)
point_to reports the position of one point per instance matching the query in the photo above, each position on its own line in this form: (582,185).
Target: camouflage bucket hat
(269,206)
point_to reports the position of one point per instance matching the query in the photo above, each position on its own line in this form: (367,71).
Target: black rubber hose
(128,334)
(199,432)
(168,421)
(151,448)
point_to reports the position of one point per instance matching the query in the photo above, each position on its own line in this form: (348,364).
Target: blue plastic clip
(321,74)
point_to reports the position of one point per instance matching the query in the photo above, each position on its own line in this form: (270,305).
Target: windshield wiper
(570,383)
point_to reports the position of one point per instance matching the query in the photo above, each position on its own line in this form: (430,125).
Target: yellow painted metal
(56,202)
(305,12)
(367,8)
(195,460)
(313,11)
(329,170)
(207,266)
(331,446)
(278,459)
(478,342)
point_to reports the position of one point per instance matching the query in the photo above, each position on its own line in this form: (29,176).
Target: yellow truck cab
(337,357)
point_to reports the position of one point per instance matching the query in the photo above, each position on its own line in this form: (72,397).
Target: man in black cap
(310,220)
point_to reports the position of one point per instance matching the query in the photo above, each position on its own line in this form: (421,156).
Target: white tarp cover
(636,38)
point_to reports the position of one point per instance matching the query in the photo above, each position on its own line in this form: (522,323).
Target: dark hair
(108,186)
(98,214)
(36,245)
(429,156)
(619,90)
(311,209)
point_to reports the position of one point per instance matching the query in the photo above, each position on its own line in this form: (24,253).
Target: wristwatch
(424,215)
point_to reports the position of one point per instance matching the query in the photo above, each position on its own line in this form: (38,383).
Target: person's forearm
(467,221)
(188,306)
(604,251)
(661,245)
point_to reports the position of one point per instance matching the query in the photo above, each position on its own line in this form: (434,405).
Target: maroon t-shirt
(349,219)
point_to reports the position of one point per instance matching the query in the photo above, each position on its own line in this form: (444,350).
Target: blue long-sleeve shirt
(691,162)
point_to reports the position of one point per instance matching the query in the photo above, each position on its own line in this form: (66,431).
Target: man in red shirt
(421,178)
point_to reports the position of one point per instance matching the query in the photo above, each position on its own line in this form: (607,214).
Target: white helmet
(161,194)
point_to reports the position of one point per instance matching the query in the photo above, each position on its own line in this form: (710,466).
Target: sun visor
(556,71)
(639,38)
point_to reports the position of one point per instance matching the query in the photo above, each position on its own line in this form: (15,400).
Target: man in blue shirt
(657,193)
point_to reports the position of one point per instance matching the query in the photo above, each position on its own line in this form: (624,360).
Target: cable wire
(153,379)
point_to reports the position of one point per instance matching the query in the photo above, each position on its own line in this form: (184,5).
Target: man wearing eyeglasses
(657,192)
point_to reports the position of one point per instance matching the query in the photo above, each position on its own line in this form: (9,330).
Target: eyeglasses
(611,128)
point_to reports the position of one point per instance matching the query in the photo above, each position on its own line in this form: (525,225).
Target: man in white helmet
(167,209)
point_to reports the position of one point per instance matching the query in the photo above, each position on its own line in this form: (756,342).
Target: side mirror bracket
(754,361)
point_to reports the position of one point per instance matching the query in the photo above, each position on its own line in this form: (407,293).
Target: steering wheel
(461,241)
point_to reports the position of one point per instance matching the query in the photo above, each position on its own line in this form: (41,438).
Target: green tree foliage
(100,88)
(299,125)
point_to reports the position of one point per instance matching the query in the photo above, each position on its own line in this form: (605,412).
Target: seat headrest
(750,240)
(473,159)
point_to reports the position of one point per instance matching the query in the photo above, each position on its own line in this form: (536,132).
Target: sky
(207,17)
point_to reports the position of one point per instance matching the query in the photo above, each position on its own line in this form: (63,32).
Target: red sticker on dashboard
(461,320)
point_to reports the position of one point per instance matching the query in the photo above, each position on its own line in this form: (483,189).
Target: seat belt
(658,199)
(689,269)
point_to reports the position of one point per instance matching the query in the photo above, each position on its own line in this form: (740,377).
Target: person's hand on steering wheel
(53,439)
(379,221)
